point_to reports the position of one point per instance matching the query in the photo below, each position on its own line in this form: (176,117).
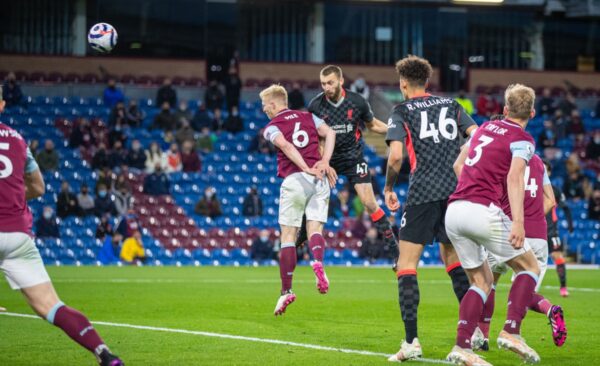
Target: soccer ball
(102,37)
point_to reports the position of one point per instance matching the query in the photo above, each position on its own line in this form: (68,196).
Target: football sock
(488,312)
(471,308)
(287,264)
(317,246)
(540,304)
(519,299)
(460,281)
(76,326)
(562,272)
(408,297)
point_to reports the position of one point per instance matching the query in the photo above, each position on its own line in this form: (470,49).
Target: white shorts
(300,194)
(21,262)
(540,250)
(473,227)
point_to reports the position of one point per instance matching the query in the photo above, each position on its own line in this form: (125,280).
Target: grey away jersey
(429,126)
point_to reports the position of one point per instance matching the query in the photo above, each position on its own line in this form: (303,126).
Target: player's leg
(481,337)
(555,248)
(302,233)
(460,281)
(316,216)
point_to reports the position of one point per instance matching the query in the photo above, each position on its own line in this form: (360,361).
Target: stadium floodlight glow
(478,2)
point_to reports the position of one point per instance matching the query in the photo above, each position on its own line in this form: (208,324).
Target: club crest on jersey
(350,111)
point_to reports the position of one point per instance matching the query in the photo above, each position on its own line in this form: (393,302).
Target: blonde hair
(275,91)
(519,100)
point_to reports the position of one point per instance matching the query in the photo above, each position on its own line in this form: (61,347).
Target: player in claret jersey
(495,166)
(20,260)
(345,111)
(429,126)
(303,191)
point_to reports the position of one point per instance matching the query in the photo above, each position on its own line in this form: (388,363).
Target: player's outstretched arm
(549,201)
(34,185)
(377,126)
(515,182)
(394,165)
(294,155)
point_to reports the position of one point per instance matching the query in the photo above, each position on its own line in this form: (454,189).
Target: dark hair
(332,69)
(415,70)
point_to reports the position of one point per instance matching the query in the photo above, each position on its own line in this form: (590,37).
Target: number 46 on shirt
(430,130)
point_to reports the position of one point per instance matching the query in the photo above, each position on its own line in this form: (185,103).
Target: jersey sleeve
(366,113)
(522,149)
(546,180)
(318,122)
(271,132)
(312,105)
(464,120)
(396,131)
(31,165)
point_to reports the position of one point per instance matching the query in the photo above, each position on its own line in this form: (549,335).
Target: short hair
(332,69)
(275,91)
(519,100)
(415,70)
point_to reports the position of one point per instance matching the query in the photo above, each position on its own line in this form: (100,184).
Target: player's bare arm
(516,194)
(328,135)
(34,185)
(460,161)
(549,200)
(471,130)
(377,126)
(393,170)
(292,153)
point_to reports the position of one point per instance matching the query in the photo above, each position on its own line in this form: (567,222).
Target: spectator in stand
(560,124)
(157,183)
(372,246)
(117,114)
(568,105)
(82,136)
(182,114)
(168,140)
(201,118)
(118,155)
(592,150)
(263,247)
(260,144)
(166,93)
(487,105)
(133,249)
(185,133)
(123,199)
(34,146)
(205,140)
(134,115)
(105,177)
(47,226)
(375,184)
(465,102)
(360,226)
(104,203)
(342,207)
(594,205)
(213,97)
(575,126)
(85,201)
(128,224)
(296,97)
(173,159)
(104,227)
(48,158)
(190,160)
(11,91)
(252,205)
(233,87)
(66,202)
(234,122)
(547,137)
(111,249)
(165,120)
(576,186)
(155,156)
(121,182)
(117,133)
(217,121)
(546,105)
(136,157)
(100,159)
(209,205)
(360,86)
(112,94)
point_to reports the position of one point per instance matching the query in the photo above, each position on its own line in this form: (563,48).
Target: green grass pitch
(360,313)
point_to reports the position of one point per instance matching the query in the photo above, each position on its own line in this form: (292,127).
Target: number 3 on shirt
(485,140)
(8,167)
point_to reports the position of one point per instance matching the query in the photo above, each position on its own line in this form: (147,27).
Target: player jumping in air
(344,111)
(303,191)
(495,166)
(429,126)
(20,260)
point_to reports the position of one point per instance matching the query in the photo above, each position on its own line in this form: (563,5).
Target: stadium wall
(490,77)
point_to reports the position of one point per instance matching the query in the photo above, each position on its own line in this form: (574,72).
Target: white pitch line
(240,338)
